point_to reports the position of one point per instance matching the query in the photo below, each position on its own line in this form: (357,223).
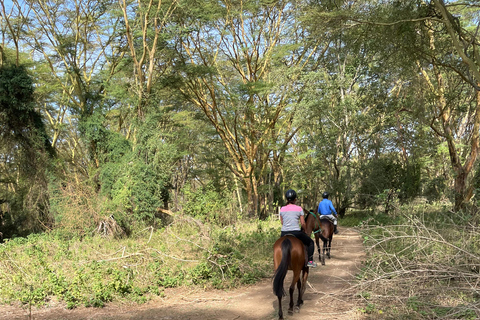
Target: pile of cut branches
(422,269)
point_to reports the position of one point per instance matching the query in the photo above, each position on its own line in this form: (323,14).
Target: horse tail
(282,269)
(322,237)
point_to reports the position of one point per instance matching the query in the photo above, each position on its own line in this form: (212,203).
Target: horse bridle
(317,223)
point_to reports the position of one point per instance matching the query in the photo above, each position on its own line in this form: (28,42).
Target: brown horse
(289,254)
(323,229)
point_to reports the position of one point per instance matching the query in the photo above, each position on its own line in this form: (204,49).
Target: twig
(174,258)
(122,257)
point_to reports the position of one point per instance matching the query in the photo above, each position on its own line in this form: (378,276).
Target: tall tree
(24,155)
(336,108)
(74,39)
(241,63)
(146,37)
(444,49)
(457,127)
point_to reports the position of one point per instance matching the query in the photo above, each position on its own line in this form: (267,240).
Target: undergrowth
(423,263)
(92,271)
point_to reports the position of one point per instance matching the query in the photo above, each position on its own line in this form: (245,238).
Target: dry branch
(436,267)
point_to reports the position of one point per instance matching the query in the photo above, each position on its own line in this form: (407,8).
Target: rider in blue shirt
(325,208)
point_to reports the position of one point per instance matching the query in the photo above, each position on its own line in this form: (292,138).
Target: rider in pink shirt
(291,217)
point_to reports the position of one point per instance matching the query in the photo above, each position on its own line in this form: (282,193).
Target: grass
(92,271)
(423,263)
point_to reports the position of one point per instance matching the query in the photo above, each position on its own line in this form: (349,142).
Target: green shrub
(209,205)
(93,270)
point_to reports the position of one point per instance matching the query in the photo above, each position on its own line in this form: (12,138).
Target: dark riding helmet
(291,195)
(325,195)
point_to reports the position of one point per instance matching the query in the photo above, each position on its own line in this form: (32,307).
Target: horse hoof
(290,312)
(297,309)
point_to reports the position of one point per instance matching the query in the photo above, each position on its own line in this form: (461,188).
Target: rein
(317,223)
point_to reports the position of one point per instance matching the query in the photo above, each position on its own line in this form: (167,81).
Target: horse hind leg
(302,286)
(317,241)
(329,248)
(323,252)
(299,301)
(295,280)
(290,291)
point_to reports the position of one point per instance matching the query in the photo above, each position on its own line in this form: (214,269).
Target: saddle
(323,217)
(304,247)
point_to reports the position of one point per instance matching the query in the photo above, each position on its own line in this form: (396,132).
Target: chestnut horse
(289,254)
(323,229)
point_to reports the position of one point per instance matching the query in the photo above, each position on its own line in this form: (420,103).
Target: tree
(24,155)
(457,127)
(443,49)
(338,114)
(75,41)
(147,41)
(240,63)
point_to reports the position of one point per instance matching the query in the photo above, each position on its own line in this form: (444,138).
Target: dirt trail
(329,295)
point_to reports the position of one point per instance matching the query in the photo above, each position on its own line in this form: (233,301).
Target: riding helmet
(291,195)
(325,195)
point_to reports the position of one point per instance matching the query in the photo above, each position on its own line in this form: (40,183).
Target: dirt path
(329,295)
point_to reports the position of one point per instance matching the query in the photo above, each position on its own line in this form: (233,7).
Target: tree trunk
(252,198)
(464,188)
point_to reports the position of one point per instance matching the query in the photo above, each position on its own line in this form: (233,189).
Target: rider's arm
(333,209)
(302,222)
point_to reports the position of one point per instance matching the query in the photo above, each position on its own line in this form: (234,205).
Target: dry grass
(422,269)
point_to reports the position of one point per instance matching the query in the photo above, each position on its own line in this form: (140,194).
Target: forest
(112,111)
(122,116)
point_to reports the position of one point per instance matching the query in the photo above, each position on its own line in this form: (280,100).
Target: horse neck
(311,224)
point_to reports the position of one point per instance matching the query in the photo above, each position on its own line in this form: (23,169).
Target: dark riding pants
(307,241)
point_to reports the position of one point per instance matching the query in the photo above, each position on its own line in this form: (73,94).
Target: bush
(210,205)
(92,270)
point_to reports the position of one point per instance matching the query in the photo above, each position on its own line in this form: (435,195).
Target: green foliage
(136,178)
(24,150)
(436,189)
(235,257)
(92,271)
(209,204)
(77,209)
(356,218)
(385,179)
(370,308)
(134,187)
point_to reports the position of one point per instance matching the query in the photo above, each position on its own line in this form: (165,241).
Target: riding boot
(335,229)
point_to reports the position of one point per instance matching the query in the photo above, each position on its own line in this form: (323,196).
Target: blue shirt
(326,207)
